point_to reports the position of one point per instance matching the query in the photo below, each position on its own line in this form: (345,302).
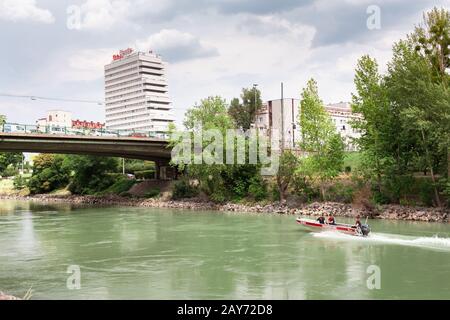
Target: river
(146,253)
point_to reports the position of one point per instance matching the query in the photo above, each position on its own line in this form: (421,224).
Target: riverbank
(389,212)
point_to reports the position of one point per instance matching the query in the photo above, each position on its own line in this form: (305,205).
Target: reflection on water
(144,253)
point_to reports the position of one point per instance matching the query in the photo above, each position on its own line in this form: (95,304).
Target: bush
(144,174)
(121,185)
(182,189)
(19,182)
(340,192)
(10,171)
(258,188)
(152,193)
(92,173)
(304,189)
(48,173)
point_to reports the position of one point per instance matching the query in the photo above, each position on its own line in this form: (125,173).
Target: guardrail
(71,131)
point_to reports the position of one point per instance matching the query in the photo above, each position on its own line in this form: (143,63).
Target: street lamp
(254,89)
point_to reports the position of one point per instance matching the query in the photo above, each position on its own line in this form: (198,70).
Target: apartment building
(268,118)
(136,93)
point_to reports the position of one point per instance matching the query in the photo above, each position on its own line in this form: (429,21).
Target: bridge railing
(74,131)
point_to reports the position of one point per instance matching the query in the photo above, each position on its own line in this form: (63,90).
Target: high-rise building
(136,93)
(269,117)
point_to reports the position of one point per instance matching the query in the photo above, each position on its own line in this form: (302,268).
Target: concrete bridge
(144,148)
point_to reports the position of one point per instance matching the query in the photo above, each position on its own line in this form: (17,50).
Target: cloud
(102,15)
(176,46)
(279,27)
(24,10)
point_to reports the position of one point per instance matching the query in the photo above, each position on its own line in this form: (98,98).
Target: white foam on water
(434,242)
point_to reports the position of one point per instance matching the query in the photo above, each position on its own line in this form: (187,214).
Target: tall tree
(243,112)
(319,139)
(432,40)
(377,140)
(424,107)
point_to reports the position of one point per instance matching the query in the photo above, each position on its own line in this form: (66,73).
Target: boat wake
(435,242)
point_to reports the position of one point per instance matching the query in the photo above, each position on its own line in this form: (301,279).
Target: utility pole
(123,166)
(282,118)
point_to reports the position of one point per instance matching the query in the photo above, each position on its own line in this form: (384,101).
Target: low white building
(268,118)
(56,118)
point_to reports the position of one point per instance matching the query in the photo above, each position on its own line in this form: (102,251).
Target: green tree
(220,181)
(9,159)
(432,40)
(324,147)
(288,165)
(378,139)
(91,174)
(243,112)
(48,173)
(315,122)
(423,106)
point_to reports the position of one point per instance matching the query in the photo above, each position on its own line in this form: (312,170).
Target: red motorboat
(353,230)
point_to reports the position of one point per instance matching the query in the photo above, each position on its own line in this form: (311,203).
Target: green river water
(146,253)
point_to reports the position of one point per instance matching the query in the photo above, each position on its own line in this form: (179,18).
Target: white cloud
(177,46)
(102,15)
(85,65)
(19,10)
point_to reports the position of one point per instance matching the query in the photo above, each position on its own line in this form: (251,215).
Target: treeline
(84,175)
(404,147)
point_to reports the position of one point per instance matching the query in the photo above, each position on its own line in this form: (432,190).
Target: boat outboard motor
(365,229)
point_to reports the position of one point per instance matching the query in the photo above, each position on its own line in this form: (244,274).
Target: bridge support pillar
(163,171)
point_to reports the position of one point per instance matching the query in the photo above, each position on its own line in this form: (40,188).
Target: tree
(324,147)
(9,159)
(423,105)
(48,173)
(432,40)
(243,113)
(91,174)
(315,122)
(285,174)
(219,180)
(377,141)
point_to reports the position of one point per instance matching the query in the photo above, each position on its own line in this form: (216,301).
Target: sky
(58,48)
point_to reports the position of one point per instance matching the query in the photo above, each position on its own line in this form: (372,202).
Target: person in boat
(331,219)
(358,221)
(321,219)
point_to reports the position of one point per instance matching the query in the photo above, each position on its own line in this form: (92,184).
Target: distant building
(268,118)
(63,119)
(83,124)
(136,93)
(341,115)
(56,118)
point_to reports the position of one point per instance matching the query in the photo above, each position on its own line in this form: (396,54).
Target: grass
(7,186)
(352,160)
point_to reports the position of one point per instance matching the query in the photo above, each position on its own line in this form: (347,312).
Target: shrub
(19,182)
(92,173)
(152,193)
(183,189)
(48,173)
(258,188)
(340,192)
(10,171)
(304,189)
(121,185)
(144,174)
